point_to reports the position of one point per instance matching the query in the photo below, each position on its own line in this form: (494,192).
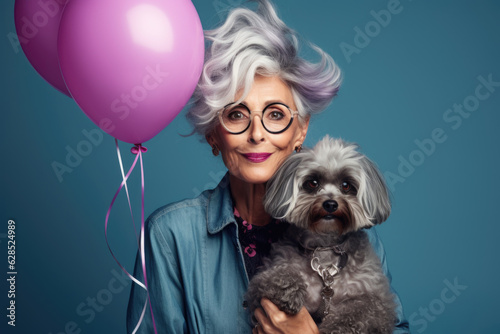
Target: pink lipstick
(257,157)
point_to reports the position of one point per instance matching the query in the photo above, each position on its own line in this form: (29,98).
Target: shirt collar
(220,207)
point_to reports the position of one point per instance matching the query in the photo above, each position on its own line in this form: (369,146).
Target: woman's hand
(277,321)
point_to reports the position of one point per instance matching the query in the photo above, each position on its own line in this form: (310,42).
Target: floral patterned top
(256,240)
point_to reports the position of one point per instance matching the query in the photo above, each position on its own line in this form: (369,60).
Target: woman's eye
(311,184)
(346,186)
(276,115)
(236,115)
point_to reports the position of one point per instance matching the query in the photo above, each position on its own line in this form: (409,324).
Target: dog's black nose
(330,205)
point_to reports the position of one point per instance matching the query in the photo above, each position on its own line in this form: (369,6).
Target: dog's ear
(375,199)
(281,189)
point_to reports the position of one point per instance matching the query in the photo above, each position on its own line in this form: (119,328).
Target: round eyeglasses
(276,118)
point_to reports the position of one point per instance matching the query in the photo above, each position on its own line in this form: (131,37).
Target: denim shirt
(195,269)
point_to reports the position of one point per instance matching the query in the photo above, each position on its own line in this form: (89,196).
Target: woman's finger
(274,314)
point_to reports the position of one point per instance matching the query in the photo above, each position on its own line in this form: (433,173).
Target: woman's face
(254,155)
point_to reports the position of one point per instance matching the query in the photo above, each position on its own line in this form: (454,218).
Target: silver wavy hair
(254,43)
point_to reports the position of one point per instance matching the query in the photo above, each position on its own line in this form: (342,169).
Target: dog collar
(310,250)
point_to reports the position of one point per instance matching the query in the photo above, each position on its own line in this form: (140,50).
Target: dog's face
(330,189)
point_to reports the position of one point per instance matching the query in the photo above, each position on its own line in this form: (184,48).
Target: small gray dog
(325,261)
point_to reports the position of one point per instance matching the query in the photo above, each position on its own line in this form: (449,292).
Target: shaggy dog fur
(325,261)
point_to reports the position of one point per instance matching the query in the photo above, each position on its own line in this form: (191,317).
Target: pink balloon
(131,65)
(37,24)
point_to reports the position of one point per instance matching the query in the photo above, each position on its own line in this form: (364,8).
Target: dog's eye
(311,184)
(346,186)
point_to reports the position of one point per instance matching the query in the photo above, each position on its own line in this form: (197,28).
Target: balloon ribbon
(138,149)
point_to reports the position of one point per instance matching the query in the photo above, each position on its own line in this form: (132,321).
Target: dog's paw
(287,292)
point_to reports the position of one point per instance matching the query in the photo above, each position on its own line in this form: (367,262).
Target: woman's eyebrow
(266,103)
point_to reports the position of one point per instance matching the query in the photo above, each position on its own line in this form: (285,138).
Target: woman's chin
(254,176)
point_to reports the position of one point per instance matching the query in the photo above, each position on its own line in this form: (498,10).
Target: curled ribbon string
(138,149)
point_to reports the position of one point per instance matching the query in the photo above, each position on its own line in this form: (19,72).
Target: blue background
(397,89)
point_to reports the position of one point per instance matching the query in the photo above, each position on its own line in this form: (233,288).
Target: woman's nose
(257,130)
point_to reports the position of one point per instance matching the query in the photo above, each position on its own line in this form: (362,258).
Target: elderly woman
(253,105)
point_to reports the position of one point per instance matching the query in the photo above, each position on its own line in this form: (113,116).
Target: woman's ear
(303,126)
(210,137)
(212,141)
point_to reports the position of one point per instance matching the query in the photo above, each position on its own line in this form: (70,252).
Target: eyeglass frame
(292,112)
